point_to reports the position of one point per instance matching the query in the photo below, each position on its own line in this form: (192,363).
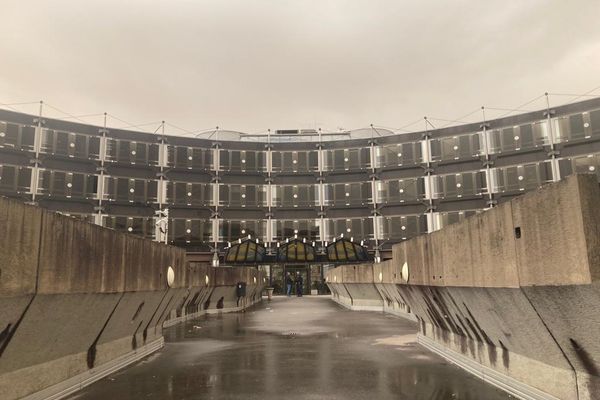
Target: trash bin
(269,293)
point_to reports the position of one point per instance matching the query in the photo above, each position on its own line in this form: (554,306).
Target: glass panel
(141,226)
(17,137)
(241,161)
(287,229)
(401,190)
(67,184)
(578,126)
(242,195)
(589,164)
(355,228)
(125,151)
(190,231)
(232,230)
(15,180)
(295,161)
(459,185)
(449,218)
(455,147)
(190,158)
(522,177)
(347,159)
(191,194)
(402,154)
(341,194)
(519,137)
(130,190)
(295,195)
(396,228)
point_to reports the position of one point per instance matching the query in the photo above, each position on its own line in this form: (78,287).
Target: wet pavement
(293,348)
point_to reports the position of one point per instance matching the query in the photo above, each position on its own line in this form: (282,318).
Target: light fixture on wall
(377,256)
(215,259)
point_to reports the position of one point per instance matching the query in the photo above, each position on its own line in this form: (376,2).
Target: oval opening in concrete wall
(206,280)
(170,276)
(381,277)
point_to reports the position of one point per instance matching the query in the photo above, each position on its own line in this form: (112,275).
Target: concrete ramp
(511,295)
(78,301)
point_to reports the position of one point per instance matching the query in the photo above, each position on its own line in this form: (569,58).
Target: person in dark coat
(299,283)
(288,283)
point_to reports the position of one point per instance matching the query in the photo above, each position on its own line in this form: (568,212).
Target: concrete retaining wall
(511,294)
(78,301)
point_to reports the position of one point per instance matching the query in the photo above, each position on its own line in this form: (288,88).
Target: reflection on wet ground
(293,348)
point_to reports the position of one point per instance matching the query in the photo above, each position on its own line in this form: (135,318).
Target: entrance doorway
(312,278)
(298,271)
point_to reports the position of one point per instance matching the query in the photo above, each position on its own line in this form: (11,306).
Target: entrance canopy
(345,250)
(296,251)
(246,252)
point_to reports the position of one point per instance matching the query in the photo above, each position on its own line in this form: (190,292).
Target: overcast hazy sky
(257,64)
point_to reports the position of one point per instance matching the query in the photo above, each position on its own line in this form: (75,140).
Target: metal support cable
(588,94)
(523,105)
(143,125)
(578,96)
(403,128)
(572,95)
(459,119)
(84,116)
(449,121)
(10,105)
(118,119)
(66,113)
(507,109)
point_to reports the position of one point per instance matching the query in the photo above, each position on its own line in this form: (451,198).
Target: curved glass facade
(368,185)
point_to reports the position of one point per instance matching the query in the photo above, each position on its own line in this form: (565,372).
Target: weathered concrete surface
(553,249)
(361,294)
(77,299)
(514,290)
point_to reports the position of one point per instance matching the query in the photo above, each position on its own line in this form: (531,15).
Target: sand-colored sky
(257,64)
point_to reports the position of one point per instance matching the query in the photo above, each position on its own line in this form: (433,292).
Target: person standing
(288,283)
(299,283)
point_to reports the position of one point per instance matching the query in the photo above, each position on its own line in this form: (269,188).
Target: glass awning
(346,250)
(245,252)
(296,251)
